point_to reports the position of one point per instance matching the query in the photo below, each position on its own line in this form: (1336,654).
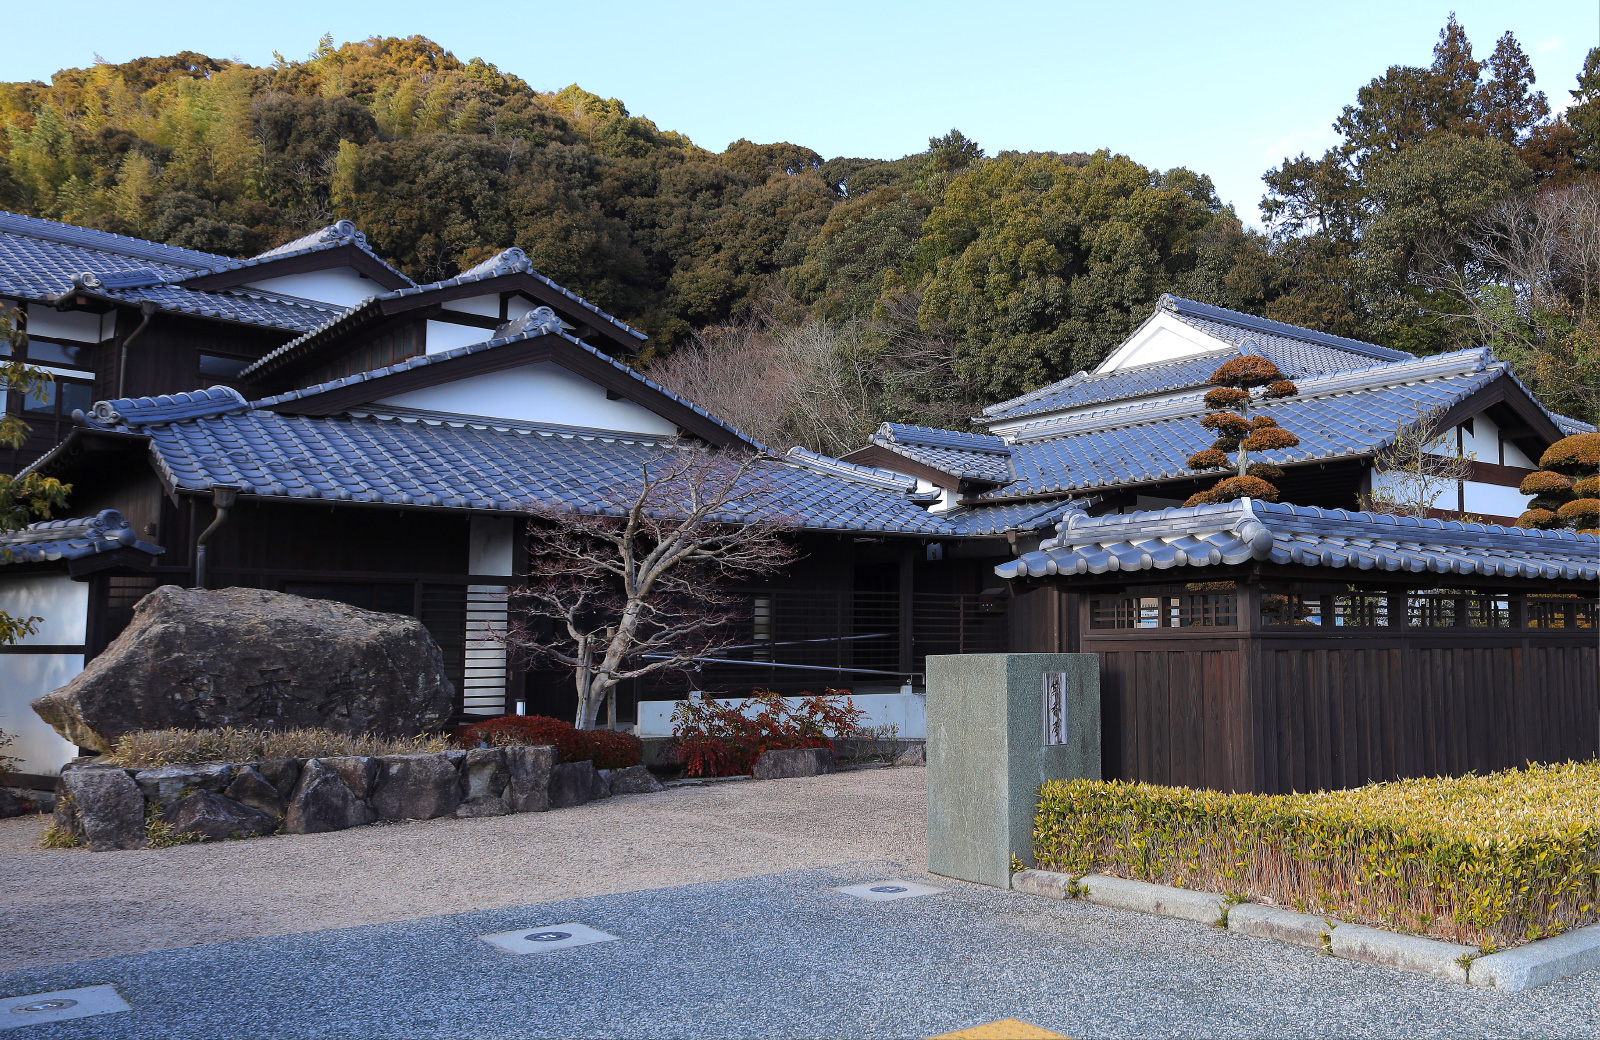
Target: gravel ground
(784,956)
(69,905)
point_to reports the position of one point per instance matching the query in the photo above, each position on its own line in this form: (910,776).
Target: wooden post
(907,559)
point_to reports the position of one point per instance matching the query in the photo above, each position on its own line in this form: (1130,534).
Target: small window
(1197,605)
(49,352)
(75,397)
(215,367)
(1457,608)
(41,400)
(1557,611)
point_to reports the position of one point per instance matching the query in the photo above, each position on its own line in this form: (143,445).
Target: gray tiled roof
(1338,415)
(508,261)
(1237,532)
(40,258)
(1299,353)
(1001,517)
(970,456)
(51,540)
(1570,426)
(448,462)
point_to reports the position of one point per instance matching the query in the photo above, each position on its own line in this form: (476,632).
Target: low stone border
(109,807)
(1533,964)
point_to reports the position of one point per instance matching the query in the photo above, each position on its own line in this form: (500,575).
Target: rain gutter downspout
(223,496)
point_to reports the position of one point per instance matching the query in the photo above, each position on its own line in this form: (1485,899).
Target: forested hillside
(809,299)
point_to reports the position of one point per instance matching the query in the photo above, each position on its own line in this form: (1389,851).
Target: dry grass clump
(162,747)
(1490,861)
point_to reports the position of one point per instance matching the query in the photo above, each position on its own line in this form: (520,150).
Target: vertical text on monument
(1055,708)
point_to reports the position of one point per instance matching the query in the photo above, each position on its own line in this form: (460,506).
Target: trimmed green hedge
(1490,861)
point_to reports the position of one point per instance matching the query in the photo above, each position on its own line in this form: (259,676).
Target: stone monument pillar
(999,725)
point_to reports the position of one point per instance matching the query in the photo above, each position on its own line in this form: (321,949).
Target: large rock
(416,787)
(110,809)
(166,784)
(250,788)
(195,659)
(322,802)
(634,780)
(10,805)
(575,783)
(530,769)
(216,817)
(791,762)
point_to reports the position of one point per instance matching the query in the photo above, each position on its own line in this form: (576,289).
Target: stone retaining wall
(109,807)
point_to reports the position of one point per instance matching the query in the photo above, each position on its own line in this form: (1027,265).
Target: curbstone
(1442,960)
(1271,922)
(1182,903)
(1045,883)
(1539,962)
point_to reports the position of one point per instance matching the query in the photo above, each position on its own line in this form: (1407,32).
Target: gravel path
(68,905)
(785,956)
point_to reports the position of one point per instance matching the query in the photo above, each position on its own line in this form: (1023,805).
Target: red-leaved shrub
(569,742)
(615,750)
(710,738)
(605,748)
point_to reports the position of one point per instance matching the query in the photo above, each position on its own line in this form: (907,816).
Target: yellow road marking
(1005,1029)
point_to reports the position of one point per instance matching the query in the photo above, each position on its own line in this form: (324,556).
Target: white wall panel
(1495,499)
(342,285)
(486,306)
(541,392)
(444,335)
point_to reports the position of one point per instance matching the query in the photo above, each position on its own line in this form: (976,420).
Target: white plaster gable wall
(518,306)
(444,335)
(344,286)
(1482,442)
(1163,337)
(541,392)
(487,306)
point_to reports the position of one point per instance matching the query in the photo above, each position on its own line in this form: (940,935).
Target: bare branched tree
(1532,291)
(1416,468)
(634,582)
(821,383)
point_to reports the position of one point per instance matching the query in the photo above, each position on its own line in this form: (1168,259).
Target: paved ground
(767,954)
(68,905)
(784,956)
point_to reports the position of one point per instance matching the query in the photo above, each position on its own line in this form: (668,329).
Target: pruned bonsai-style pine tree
(1236,385)
(1566,486)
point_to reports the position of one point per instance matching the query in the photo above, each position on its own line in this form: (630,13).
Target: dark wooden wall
(1274,712)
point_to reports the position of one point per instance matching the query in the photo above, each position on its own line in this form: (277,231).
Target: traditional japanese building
(376,441)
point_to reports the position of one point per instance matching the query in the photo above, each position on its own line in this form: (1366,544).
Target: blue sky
(1225,89)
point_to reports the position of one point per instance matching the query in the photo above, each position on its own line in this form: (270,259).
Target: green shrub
(1484,860)
(161,747)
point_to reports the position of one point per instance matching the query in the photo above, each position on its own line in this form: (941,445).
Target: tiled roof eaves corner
(878,478)
(345,234)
